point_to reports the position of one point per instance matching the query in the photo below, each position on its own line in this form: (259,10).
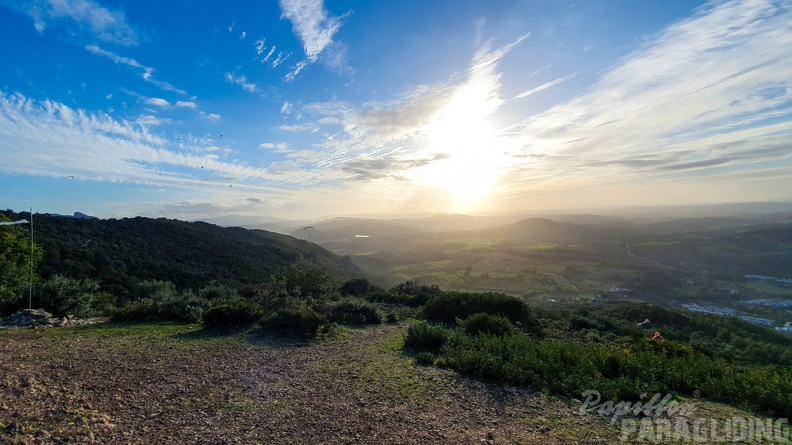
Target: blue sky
(303,109)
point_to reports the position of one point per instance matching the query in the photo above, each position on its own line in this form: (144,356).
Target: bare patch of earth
(172,384)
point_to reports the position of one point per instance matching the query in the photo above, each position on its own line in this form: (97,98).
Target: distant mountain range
(77,215)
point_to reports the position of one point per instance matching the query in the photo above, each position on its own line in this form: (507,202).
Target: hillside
(540,230)
(120,252)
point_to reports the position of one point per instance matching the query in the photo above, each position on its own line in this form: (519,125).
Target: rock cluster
(40,318)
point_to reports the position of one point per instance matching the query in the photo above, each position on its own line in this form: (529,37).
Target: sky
(301,109)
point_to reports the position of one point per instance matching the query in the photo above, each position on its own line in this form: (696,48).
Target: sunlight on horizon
(466,144)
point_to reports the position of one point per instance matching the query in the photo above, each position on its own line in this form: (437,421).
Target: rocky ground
(41,318)
(172,384)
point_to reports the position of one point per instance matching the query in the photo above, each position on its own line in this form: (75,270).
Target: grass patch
(161,329)
(392,375)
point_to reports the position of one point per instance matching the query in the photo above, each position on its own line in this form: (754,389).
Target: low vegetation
(563,350)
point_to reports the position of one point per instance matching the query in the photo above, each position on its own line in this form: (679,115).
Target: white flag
(21,221)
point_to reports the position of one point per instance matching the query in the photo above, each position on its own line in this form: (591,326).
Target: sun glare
(464,137)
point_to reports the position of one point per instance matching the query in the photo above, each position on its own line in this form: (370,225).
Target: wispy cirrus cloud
(708,95)
(394,139)
(543,86)
(48,138)
(146,71)
(711,75)
(315,28)
(84,15)
(242,81)
(370,169)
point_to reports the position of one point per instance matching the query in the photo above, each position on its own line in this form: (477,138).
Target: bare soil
(171,384)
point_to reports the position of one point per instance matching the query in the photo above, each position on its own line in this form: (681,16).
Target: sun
(465,146)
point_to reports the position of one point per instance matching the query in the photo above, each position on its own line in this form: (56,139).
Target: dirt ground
(171,384)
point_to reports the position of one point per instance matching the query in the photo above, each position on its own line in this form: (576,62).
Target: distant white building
(757,320)
(715,310)
(785,329)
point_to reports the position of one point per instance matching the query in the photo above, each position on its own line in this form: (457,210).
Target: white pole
(30,297)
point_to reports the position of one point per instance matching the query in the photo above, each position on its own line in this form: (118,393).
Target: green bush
(356,287)
(218,293)
(481,323)
(451,306)
(425,358)
(391,317)
(188,309)
(423,336)
(140,310)
(352,311)
(305,323)
(236,313)
(64,295)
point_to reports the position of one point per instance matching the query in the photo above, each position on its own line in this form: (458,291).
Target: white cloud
(185,104)
(242,81)
(315,29)
(712,73)
(214,117)
(46,138)
(286,108)
(150,120)
(259,44)
(280,59)
(299,127)
(279,147)
(146,71)
(243,35)
(269,54)
(156,101)
(88,16)
(708,94)
(543,87)
(311,23)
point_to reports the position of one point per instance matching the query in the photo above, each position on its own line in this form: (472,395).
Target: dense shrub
(399,299)
(188,308)
(423,336)
(619,373)
(154,290)
(140,310)
(218,293)
(478,324)
(239,312)
(352,311)
(425,358)
(64,295)
(356,287)
(451,306)
(305,323)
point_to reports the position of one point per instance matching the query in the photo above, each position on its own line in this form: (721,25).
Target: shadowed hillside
(121,252)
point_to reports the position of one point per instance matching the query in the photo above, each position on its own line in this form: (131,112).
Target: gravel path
(186,387)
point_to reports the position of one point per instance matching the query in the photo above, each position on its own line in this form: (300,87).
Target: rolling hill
(120,252)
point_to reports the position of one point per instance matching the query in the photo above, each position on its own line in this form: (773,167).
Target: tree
(15,265)
(304,282)
(356,287)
